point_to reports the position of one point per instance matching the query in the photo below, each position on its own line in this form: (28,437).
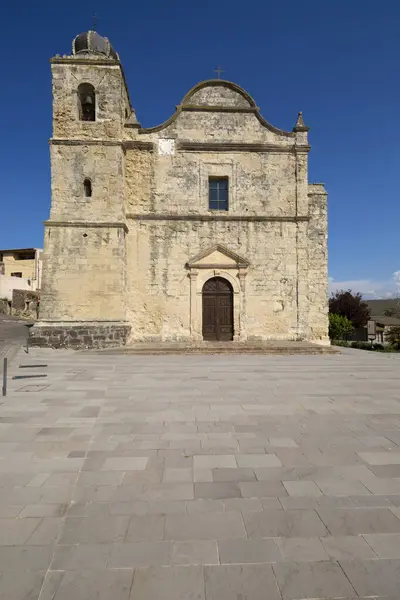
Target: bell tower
(83,291)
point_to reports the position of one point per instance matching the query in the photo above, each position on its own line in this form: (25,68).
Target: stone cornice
(93,62)
(219,217)
(126,144)
(238,147)
(88,224)
(217,266)
(137,145)
(317,189)
(230,109)
(83,142)
(302,149)
(185,146)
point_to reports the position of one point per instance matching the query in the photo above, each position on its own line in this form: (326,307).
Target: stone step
(273,347)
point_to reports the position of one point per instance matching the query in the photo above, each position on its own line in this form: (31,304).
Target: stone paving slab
(13,334)
(201,477)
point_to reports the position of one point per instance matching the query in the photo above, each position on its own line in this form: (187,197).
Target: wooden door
(217,310)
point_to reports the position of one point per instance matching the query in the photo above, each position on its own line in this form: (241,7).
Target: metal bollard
(4,388)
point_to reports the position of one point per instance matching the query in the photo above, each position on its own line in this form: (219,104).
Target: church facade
(202,228)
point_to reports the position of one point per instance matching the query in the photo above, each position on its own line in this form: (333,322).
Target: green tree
(339,327)
(350,305)
(393,336)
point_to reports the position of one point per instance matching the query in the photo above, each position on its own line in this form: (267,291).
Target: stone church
(202,228)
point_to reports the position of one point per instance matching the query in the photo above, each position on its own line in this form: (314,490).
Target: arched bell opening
(87,102)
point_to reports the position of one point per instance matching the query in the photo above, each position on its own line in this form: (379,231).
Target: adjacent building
(386,314)
(20,268)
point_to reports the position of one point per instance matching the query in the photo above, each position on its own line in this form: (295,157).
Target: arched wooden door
(217,310)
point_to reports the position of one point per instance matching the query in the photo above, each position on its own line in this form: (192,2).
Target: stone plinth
(79,334)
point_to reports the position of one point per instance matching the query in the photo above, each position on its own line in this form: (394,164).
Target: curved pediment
(218,95)
(217,256)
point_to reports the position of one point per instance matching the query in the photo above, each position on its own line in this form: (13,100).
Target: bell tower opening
(87,102)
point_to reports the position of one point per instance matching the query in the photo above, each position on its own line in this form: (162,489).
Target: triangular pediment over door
(217,257)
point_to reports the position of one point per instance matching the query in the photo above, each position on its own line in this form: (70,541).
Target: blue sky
(337,61)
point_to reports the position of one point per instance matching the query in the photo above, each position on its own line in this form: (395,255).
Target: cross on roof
(219,71)
(95,22)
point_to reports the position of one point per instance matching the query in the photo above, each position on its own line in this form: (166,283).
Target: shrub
(361,345)
(393,336)
(374,347)
(379,347)
(339,326)
(343,343)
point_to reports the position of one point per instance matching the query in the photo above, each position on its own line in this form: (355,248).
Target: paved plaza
(200,477)
(13,334)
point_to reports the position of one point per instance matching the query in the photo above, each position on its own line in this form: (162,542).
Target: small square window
(218,193)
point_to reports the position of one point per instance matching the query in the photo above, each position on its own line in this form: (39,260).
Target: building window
(19,274)
(87,186)
(87,102)
(218,193)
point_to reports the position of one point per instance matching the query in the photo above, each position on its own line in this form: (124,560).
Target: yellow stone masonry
(129,253)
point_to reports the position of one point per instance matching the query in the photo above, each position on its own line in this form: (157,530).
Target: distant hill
(378,307)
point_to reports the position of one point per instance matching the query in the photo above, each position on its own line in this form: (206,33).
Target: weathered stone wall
(84,273)
(5,307)
(259,183)
(126,255)
(317,264)
(84,252)
(25,304)
(71,165)
(111,100)
(217,96)
(158,305)
(218,127)
(139,178)
(269,222)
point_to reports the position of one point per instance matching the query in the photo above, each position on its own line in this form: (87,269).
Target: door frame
(198,277)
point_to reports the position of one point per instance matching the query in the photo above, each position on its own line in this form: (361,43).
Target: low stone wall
(79,335)
(25,303)
(5,306)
